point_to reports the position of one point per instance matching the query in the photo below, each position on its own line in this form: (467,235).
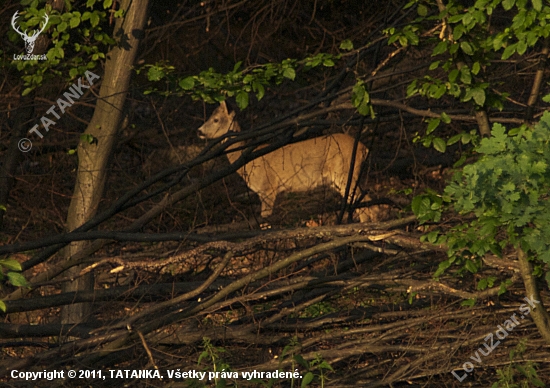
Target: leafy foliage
(79,40)
(509,375)
(11,269)
(506,192)
(211,86)
(212,354)
(319,364)
(465,47)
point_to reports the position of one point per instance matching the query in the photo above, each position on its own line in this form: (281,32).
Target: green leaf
(346,45)
(434,65)
(359,94)
(498,41)
(509,51)
(508,4)
(443,266)
(289,73)
(107,4)
(422,10)
(187,83)
(259,89)
(532,38)
(325,365)
(242,99)
(87,138)
(535,381)
(467,20)
(202,356)
(468,303)
(465,75)
(482,285)
(454,48)
(11,264)
(471,266)
(439,91)
(466,48)
(479,96)
(445,117)
(476,67)
(519,20)
(419,204)
(440,144)
(300,360)
(94,19)
(453,75)
(74,22)
(412,89)
(432,236)
(503,288)
(432,125)
(440,48)
(458,31)
(456,18)
(155,73)
(454,139)
(308,378)
(328,63)
(521,47)
(17,279)
(62,26)
(537,5)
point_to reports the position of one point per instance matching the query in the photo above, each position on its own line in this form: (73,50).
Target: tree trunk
(93,157)
(538,311)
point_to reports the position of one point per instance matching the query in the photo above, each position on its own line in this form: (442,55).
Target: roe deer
(295,167)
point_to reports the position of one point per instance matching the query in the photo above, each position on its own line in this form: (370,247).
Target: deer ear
(223,106)
(232,114)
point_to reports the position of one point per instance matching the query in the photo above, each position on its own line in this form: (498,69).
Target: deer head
(29,39)
(219,123)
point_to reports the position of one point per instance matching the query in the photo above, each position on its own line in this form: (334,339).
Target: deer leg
(268,201)
(365,214)
(376,213)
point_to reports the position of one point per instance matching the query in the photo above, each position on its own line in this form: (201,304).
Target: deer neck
(234,155)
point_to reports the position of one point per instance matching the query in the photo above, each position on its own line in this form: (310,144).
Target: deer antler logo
(29,39)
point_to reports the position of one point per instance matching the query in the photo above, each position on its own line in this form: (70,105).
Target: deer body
(295,167)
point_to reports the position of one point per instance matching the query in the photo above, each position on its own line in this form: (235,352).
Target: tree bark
(93,157)
(538,313)
(537,82)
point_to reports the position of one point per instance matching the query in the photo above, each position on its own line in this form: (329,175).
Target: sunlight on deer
(295,167)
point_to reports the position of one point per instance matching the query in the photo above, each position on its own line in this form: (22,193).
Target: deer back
(305,165)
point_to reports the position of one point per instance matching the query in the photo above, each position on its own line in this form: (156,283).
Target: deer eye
(216,120)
